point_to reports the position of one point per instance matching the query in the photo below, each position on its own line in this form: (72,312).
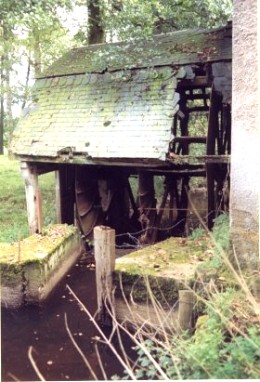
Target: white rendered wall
(245,133)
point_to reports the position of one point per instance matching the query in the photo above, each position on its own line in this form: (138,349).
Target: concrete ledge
(31,268)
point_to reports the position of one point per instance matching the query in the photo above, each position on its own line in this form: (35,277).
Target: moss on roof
(176,48)
(125,114)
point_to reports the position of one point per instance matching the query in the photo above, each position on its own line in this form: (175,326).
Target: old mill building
(107,113)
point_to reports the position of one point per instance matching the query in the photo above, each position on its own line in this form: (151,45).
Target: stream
(43,329)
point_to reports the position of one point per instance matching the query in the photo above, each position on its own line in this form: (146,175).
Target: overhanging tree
(30,31)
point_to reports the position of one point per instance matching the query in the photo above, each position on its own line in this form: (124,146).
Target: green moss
(11,274)
(163,268)
(165,259)
(37,248)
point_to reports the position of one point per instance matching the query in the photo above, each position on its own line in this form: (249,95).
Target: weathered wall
(245,133)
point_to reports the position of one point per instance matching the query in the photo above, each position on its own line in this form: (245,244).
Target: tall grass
(13,215)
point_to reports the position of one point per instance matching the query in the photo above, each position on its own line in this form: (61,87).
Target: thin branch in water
(13,377)
(78,349)
(143,348)
(100,362)
(33,363)
(112,348)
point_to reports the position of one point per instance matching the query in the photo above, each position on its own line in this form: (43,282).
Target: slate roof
(99,107)
(121,114)
(176,48)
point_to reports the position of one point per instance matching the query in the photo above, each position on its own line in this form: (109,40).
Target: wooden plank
(30,175)
(39,209)
(190,139)
(199,82)
(58,197)
(104,251)
(188,159)
(65,194)
(196,96)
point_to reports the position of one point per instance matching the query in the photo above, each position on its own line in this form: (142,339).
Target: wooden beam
(39,209)
(198,159)
(190,139)
(65,194)
(104,251)
(30,175)
(58,197)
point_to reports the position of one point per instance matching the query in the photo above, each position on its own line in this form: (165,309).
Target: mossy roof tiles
(176,48)
(114,100)
(126,114)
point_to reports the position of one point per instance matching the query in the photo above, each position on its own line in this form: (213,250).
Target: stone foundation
(32,268)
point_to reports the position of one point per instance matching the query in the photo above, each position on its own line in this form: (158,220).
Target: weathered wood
(189,159)
(30,175)
(58,197)
(190,139)
(104,251)
(185,312)
(65,194)
(39,209)
(147,207)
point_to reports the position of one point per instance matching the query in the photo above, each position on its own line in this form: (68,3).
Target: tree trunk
(37,54)
(96,33)
(25,97)
(2,113)
(9,125)
(2,105)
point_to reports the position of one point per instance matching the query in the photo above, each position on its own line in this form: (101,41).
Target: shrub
(226,345)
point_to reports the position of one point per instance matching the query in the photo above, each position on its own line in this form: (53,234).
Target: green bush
(226,345)
(221,232)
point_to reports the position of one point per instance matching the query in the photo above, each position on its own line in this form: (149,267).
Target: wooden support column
(33,199)
(104,250)
(65,194)
(186,309)
(58,197)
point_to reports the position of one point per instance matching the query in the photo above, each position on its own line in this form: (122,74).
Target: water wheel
(104,196)
(88,206)
(218,143)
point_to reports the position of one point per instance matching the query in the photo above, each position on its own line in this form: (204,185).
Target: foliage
(226,345)
(197,233)
(221,232)
(226,341)
(31,37)
(135,18)
(221,243)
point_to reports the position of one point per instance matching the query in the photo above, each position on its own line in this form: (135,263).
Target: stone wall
(245,134)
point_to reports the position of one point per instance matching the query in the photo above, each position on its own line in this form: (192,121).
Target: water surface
(43,328)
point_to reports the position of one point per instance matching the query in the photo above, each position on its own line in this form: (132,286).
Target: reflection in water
(43,328)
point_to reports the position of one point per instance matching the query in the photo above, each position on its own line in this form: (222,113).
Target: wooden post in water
(39,209)
(185,312)
(30,175)
(104,250)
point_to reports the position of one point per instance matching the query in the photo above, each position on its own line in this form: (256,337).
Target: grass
(13,215)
